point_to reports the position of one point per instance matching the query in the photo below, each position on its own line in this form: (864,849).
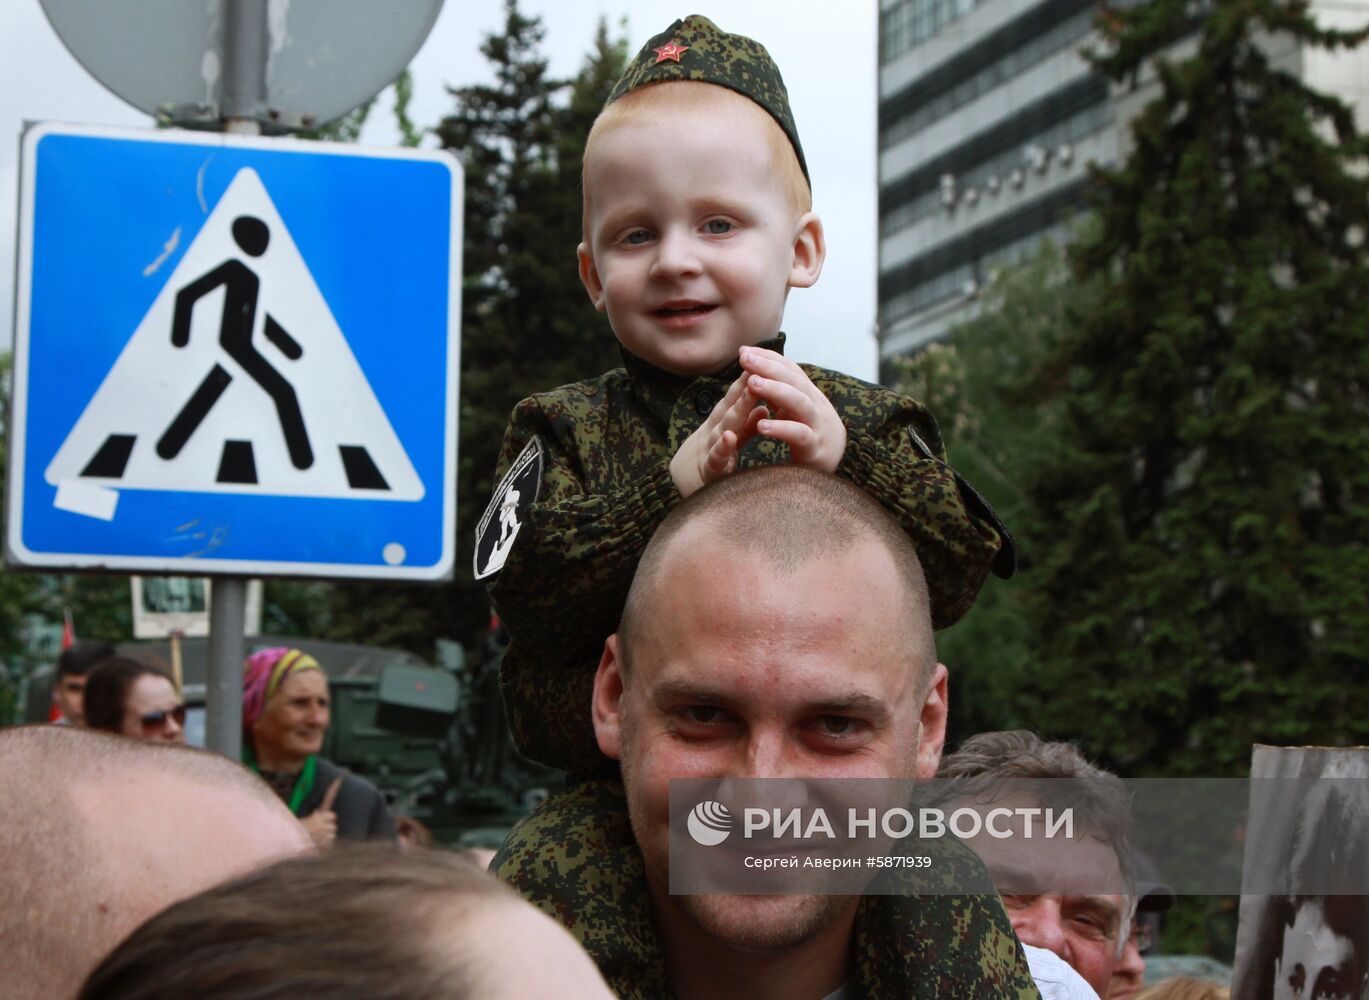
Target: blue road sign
(234,356)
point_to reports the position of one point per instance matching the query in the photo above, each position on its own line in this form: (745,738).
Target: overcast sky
(827,55)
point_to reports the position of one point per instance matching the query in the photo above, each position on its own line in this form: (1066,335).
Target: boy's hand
(800,415)
(711,451)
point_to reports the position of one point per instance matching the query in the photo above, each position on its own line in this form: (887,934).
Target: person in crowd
(100,832)
(134,698)
(1184,988)
(363,922)
(1154,898)
(284,720)
(778,625)
(1087,922)
(69,680)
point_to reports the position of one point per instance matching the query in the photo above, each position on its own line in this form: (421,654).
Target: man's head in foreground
(1087,923)
(357,923)
(69,682)
(697,208)
(777,627)
(101,831)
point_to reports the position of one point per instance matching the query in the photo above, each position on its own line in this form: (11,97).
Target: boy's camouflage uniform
(575,859)
(606,487)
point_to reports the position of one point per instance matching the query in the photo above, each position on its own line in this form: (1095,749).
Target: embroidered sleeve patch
(503,518)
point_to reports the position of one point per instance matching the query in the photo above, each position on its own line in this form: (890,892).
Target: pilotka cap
(697,49)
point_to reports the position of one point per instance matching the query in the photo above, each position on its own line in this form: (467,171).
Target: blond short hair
(658,100)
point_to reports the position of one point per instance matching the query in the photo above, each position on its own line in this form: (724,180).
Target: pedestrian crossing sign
(234,356)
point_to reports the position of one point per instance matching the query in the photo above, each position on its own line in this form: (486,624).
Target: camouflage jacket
(575,859)
(606,486)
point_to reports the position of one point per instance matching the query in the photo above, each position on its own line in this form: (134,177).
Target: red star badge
(670,50)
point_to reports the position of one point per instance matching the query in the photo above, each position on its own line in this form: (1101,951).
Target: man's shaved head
(787,517)
(101,831)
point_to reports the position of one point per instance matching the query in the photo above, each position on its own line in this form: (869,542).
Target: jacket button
(703,402)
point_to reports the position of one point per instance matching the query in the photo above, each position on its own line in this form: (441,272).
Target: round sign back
(166,57)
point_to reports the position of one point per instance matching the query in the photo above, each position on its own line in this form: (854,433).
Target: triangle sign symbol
(238,380)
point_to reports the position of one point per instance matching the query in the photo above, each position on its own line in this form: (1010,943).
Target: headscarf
(266,672)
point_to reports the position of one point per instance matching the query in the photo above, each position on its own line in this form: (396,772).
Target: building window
(909,23)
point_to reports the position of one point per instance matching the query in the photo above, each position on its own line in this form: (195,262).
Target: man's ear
(932,730)
(589,277)
(607,706)
(810,250)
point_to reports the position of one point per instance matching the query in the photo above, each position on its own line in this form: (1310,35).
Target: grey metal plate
(325,58)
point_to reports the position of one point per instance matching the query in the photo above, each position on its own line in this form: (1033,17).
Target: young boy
(697,222)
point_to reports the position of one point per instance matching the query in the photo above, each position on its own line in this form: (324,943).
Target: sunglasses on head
(158,719)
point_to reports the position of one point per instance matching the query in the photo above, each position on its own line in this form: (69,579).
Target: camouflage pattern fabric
(607,486)
(575,859)
(696,49)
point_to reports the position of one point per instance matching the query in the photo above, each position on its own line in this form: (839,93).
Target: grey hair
(1100,798)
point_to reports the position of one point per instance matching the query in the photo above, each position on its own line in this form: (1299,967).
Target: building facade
(988,116)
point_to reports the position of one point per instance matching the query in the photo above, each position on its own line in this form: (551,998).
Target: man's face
(755,673)
(1082,928)
(1315,962)
(68,691)
(692,245)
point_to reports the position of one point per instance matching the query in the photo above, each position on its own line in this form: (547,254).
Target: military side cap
(697,49)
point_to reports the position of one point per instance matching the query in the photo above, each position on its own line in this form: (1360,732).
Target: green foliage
(346,128)
(410,135)
(977,383)
(1200,576)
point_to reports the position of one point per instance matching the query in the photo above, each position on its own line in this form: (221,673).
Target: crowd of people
(233,889)
(712,563)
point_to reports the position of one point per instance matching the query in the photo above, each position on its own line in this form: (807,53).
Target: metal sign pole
(223,690)
(244,89)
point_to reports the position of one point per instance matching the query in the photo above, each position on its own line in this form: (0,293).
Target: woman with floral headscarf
(284,719)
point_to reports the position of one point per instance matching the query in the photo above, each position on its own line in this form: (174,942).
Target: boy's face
(692,244)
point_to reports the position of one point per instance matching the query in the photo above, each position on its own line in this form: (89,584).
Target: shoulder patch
(499,525)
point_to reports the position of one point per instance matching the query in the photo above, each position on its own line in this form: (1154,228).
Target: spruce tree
(1205,580)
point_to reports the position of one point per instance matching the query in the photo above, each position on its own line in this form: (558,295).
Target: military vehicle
(432,738)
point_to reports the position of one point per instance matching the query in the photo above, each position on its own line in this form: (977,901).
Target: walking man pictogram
(241,287)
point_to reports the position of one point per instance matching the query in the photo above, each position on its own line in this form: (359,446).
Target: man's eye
(717,227)
(836,725)
(1092,927)
(703,715)
(637,237)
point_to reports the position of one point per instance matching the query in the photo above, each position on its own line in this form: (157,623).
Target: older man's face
(739,671)
(1054,890)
